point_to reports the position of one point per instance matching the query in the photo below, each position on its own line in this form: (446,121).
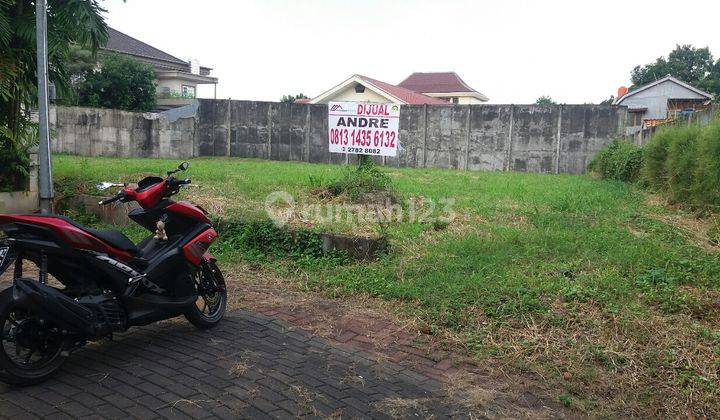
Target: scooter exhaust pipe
(55,306)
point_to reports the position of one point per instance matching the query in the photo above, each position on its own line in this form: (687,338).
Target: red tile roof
(406,95)
(443,82)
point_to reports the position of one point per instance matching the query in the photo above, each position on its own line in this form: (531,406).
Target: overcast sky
(512,51)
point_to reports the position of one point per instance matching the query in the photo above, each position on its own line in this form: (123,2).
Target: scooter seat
(114,238)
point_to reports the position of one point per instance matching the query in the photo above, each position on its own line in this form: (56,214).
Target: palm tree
(69,22)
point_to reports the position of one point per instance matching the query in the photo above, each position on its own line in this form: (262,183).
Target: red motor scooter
(108,283)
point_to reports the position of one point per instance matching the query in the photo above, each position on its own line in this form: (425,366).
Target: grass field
(601,290)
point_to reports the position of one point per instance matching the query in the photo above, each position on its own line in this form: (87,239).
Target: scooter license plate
(3,253)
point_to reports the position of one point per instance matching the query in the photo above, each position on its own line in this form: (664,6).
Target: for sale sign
(363,128)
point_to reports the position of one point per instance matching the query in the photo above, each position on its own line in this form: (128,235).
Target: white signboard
(363,128)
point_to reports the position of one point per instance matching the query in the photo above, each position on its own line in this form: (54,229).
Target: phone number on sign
(345,137)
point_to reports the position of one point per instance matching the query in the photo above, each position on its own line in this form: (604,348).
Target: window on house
(455,100)
(188,91)
(636,118)
(359,88)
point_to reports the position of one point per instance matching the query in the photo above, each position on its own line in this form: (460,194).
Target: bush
(681,162)
(15,155)
(121,83)
(356,182)
(707,172)
(667,155)
(655,152)
(264,237)
(620,160)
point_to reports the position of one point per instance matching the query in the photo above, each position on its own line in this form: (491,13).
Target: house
(660,101)
(444,85)
(360,88)
(176,79)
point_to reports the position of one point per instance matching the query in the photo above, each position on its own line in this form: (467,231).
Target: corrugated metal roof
(657,82)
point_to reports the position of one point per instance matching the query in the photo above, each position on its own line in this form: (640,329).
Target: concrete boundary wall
(23,201)
(533,138)
(112,132)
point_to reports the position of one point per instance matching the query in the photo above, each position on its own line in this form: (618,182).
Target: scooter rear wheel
(30,347)
(210,306)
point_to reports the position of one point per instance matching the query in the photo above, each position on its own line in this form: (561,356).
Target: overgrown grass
(681,161)
(550,274)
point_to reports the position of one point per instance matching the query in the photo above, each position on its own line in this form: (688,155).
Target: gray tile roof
(118,41)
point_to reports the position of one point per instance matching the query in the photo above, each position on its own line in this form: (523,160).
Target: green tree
(545,100)
(291,98)
(80,62)
(69,22)
(121,82)
(687,63)
(608,101)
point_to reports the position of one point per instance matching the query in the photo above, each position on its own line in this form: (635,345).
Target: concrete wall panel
(489,137)
(534,138)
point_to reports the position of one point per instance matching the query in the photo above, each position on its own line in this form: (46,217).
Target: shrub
(655,152)
(264,237)
(669,154)
(620,160)
(681,162)
(15,155)
(121,83)
(356,182)
(706,187)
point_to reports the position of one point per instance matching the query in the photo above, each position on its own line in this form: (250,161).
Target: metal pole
(44,163)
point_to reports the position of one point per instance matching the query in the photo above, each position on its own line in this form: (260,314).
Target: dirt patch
(402,408)
(378,328)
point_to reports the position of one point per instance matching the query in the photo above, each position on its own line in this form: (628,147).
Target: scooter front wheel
(30,347)
(211,303)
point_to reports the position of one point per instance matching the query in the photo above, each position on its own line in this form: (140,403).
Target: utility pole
(44,162)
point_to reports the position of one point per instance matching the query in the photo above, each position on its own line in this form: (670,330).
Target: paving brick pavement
(250,366)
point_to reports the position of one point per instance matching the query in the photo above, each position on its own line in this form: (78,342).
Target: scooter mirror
(183,166)
(105,185)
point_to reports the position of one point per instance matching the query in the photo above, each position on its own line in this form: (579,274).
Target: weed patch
(262,241)
(357,182)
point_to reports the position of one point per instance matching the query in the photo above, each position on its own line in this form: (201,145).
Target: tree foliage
(121,82)
(695,66)
(292,98)
(80,62)
(69,22)
(545,100)
(608,101)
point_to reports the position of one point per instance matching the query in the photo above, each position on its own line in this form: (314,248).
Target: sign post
(370,129)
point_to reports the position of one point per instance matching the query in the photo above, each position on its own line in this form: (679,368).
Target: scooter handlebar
(111,199)
(178,182)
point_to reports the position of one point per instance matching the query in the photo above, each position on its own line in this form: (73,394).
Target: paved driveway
(251,366)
